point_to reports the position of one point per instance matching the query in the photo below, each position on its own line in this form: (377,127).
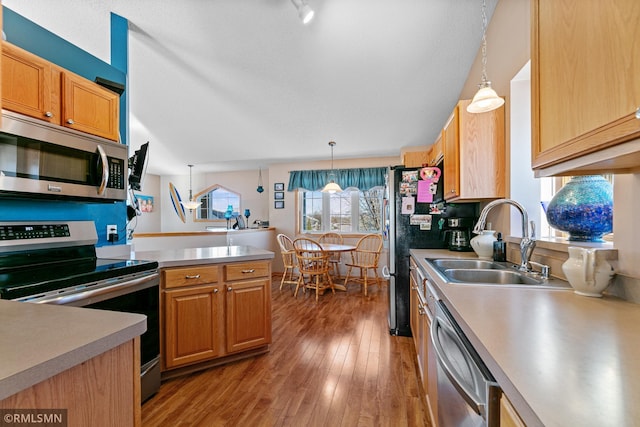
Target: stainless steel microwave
(42,160)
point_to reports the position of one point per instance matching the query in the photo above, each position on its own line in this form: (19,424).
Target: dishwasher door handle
(467,394)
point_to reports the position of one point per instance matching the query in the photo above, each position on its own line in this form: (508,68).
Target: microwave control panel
(116,173)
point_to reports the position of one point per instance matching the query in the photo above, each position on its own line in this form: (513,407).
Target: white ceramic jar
(482,244)
(587,271)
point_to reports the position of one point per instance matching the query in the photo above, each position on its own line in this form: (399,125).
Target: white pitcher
(587,271)
(482,244)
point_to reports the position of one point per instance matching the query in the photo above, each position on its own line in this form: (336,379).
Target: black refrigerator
(415,213)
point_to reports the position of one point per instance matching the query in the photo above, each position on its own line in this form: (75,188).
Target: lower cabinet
(420,318)
(212,311)
(508,415)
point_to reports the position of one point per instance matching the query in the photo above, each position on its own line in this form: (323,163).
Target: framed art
(278,186)
(278,195)
(278,204)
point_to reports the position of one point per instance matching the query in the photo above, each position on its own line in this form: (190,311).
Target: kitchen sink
(466,264)
(498,277)
(485,272)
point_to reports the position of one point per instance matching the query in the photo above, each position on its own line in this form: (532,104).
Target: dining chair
(288,253)
(365,257)
(335,258)
(313,263)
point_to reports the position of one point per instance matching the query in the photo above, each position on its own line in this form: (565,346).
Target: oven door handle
(468,395)
(113,290)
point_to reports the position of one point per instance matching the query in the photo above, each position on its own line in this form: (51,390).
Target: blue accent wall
(33,38)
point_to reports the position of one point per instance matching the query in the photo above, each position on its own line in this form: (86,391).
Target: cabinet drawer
(246,270)
(189,276)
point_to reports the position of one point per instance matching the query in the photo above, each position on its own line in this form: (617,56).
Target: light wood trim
(247,270)
(450,138)
(190,276)
(96,392)
(415,159)
(508,415)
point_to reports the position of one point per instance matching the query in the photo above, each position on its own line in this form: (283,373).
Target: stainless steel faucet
(527,244)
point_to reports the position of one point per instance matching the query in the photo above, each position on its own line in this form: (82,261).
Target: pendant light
(332,186)
(486,99)
(191,204)
(304,11)
(260,188)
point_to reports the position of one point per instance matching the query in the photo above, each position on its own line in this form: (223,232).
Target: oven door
(136,293)
(467,394)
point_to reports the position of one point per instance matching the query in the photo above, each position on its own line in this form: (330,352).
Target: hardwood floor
(332,363)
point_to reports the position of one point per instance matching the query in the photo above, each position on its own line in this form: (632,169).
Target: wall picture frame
(278,204)
(278,186)
(278,195)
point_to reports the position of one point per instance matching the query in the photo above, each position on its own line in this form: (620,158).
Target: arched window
(214,202)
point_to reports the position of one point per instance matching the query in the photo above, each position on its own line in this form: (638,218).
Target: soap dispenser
(499,249)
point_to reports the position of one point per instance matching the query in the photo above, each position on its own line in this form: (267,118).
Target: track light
(304,11)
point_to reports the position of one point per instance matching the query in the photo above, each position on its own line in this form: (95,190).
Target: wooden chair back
(367,252)
(311,258)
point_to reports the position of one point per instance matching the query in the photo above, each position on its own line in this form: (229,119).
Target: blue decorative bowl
(583,208)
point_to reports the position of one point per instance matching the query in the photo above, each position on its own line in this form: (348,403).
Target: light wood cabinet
(213,311)
(37,88)
(191,332)
(30,85)
(436,152)
(474,155)
(88,107)
(415,159)
(585,87)
(508,415)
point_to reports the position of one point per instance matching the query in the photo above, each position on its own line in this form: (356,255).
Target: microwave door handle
(105,171)
(468,395)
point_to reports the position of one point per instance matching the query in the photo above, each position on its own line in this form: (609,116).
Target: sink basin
(466,264)
(493,276)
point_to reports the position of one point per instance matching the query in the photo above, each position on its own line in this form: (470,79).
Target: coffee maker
(457,233)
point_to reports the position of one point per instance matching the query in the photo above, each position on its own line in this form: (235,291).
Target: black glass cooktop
(33,273)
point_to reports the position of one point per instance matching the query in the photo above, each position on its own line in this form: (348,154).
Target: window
(351,211)
(214,202)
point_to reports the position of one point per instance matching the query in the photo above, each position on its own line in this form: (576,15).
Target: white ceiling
(236,85)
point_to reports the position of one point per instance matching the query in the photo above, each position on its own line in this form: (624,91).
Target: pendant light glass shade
(486,99)
(191,204)
(332,186)
(304,11)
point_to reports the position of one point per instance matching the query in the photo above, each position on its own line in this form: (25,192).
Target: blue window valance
(315,180)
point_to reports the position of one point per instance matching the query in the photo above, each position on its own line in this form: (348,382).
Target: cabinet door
(584,74)
(30,85)
(415,159)
(248,314)
(436,152)
(191,327)
(90,108)
(451,157)
(432,376)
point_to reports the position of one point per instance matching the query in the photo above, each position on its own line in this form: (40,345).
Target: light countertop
(562,359)
(38,341)
(207,255)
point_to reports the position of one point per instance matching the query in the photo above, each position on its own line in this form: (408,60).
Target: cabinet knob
(215,291)
(229,289)
(70,121)
(638,113)
(48,114)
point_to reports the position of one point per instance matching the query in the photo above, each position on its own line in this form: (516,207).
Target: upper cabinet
(474,155)
(40,89)
(585,86)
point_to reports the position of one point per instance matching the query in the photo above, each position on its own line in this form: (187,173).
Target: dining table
(337,247)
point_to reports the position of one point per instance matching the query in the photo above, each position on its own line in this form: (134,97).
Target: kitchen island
(215,305)
(82,360)
(560,358)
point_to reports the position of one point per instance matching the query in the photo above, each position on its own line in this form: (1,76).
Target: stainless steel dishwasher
(468,395)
